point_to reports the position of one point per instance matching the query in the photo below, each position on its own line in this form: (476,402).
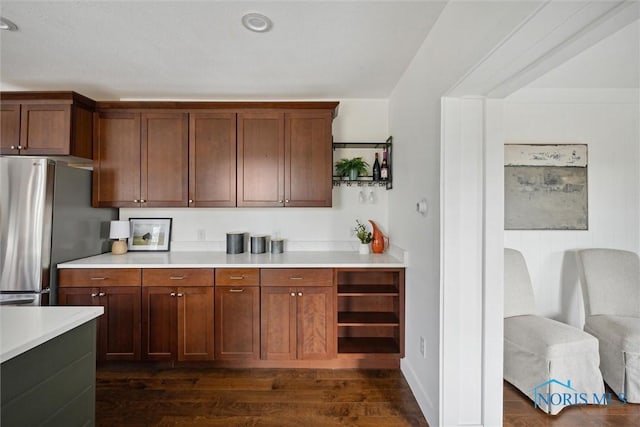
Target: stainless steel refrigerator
(45,218)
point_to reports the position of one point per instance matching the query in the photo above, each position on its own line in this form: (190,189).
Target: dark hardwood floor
(150,396)
(519,411)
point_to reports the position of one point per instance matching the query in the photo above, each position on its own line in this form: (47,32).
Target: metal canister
(277,246)
(258,244)
(235,242)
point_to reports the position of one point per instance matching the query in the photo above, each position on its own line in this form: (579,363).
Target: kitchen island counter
(23,328)
(202,259)
(48,365)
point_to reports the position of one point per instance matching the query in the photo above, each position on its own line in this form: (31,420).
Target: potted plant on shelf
(352,168)
(364,236)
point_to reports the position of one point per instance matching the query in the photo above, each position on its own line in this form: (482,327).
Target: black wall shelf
(367,180)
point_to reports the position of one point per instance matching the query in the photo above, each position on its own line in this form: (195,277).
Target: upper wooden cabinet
(165,159)
(46,123)
(260,159)
(141,159)
(285,159)
(213,154)
(308,159)
(212,159)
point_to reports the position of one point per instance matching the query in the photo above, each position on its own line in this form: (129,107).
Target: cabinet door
(117,160)
(308,159)
(165,159)
(78,296)
(237,322)
(158,323)
(316,338)
(87,297)
(278,323)
(195,323)
(212,159)
(120,338)
(260,159)
(10,128)
(45,129)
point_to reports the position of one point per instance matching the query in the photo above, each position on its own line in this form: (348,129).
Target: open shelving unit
(370,306)
(367,180)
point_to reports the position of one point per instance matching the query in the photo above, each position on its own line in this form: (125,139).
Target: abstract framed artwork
(545,187)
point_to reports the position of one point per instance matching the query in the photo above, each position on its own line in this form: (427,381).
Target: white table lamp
(119,230)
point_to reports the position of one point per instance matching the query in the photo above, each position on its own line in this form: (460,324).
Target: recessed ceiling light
(257,22)
(7,25)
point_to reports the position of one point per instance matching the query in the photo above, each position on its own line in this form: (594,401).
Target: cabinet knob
(173,294)
(101,294)
(142,200)
(135,200)
(176,278)
(236,290)
(236,277)
(286,200)
(98,278)
(293,294)
(20,147)
(94,294)
(279,201)
(190,200)
(179,295)
(13,147)
(299,294)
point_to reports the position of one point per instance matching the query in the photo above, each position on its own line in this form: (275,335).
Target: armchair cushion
(621,331)
(539,351)
(547,337)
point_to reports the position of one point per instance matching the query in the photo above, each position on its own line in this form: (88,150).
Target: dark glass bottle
(376,169)
(384,168)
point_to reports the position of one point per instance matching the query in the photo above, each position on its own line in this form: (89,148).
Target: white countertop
(301,259)
(23,328)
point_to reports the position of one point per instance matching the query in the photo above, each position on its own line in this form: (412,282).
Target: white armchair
(610,281)
(545,358)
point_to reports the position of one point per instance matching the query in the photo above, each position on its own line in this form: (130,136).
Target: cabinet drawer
(237,277)
(296,277)
(83,277)
(177,277)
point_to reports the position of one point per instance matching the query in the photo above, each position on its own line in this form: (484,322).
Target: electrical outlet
(202,235)
(422,347)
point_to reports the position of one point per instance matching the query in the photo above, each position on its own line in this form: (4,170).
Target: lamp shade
(119,230)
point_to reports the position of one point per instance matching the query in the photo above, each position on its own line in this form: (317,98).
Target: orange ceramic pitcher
(380,242)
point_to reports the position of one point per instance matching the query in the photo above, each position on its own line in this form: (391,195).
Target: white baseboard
(425,403)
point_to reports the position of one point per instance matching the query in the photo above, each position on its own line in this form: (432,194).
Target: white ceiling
(199,50)
(614,62)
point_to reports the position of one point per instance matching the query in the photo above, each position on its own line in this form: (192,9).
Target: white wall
(463,35)
(608,120)
(303,228)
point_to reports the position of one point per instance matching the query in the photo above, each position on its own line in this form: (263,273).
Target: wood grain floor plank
(519,412)
(262,397)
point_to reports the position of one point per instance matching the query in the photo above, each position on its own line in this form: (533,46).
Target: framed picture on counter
(150,234)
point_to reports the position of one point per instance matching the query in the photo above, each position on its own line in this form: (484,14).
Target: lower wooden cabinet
(237,323)
(297,323)
(246,317)
(370,312)
(119,327)
(177,323)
